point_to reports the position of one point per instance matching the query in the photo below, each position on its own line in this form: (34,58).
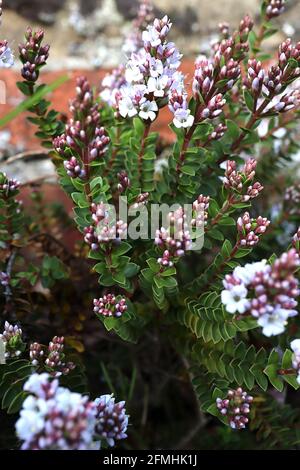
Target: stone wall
(88,33)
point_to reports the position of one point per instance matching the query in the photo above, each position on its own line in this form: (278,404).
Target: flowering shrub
(185,268)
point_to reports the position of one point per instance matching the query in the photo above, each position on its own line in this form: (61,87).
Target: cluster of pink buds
(236,406)
(287,50)
(214,107)
(287,102)
(250,229)
(255,78)
(33,54)
(8,185)
(274,8)
(73,168)
(110,306)
(246,25)
(218,132)
(99,145)
(36,353)
(104,230)
(124,181)
(111,419)
(200,208)
(239,181)
(166,260)
(141,200)
(84,139)
(52,357)
(12,340)
(91,238)
(203,76)
(99,212)
(173,247)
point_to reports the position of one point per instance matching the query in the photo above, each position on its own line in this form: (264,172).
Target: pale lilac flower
(183,118)
(148,109)
(126,107)
(6,55)
(158,85)
(274,324)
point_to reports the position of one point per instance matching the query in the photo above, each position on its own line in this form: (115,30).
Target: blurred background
(89,33)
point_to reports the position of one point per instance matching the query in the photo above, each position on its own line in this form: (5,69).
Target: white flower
(133,73)
(247,272)
(235,299)
(183,118)
(295,345)
(157,85)
(29,423)
(126,107)
(274,324)
(148,109)
(156,67)
(152,36)
(35,384)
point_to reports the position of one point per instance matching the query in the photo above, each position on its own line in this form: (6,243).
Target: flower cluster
(236,406)
(249,229)
(113,82)
(173,246)
(53,418)
(110,306)
(140,201)
(274,8)
(124,181)
(240,182)
(213,77)
(51,357)
(8,185)
(295,346)
(152,75)
(273,82)
(105,229)
(267,292)
(112,420)
(84,139)
(12,340)
(33,54)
